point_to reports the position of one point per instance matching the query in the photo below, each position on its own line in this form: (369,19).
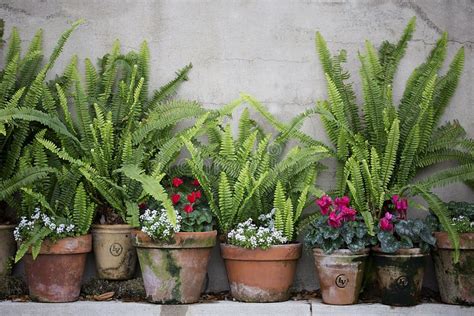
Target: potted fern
(456,281)
(175,239)
(257,196)
(380,153)
(340,242)
(21,86)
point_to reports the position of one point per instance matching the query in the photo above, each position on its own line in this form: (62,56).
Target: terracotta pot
(115,256)
(455,281)
(257,275)
(55,275)
(7,248)
(174,271)
(400,275)
(340,275)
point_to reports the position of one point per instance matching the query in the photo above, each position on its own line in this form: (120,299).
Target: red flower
(197,194)
(175,198)
(324,204)
(196,183)
(385,222)
(191,197)
(348,213)
(335,220)
(177,182)
(188,208)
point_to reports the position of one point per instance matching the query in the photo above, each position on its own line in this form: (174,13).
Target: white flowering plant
(157,225)
(248,235)
(53,223)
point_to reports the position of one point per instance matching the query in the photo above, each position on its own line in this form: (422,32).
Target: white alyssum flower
(157,225)
(249,235)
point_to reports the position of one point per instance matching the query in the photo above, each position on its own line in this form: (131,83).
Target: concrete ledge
(298,308)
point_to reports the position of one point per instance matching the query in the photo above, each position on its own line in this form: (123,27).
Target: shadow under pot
(340,275)
(7,249)
(55,275)
(455,280)
(257,275)
(115,256)
(400,275)
(174,271)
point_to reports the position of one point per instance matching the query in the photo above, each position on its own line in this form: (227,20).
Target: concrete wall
(265,48)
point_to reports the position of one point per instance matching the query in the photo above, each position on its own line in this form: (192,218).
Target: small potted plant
(340,243)
(400,258)
(54,241)
(173,256)
(456,280)
(257,193)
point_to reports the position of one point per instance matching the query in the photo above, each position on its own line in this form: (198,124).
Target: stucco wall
(265,48)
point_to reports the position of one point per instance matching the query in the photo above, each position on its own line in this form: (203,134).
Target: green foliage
(381,151)
(23,88)
(241,179)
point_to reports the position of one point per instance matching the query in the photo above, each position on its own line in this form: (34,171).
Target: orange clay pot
(257,275)
(340,275)
(56,274)
(174,271)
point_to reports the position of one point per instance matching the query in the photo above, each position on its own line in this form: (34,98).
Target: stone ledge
(298,308)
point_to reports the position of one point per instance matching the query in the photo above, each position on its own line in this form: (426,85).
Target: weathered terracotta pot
(115,256)
(257,275)
(55,275)
(174,271)
(7,248)
(400,275)
(455,281)
(340,275)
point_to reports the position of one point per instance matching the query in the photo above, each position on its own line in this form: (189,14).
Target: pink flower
(348,213)
(324,204)
(335,220)
(386,222)
(401,205)
(177,182)
(342,201)
(188,208)
(175,198)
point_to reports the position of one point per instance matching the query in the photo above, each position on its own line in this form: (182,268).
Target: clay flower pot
(400,275)
(115,255)
(7,248)
(340,275)
(455,281)
(55,276)
(257,275)
(174,271)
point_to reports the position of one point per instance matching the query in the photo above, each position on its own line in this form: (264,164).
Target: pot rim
(111,229)
(403,252)
(181,240)
(7,226)
(341,253)
(285,252)
(68,245)
(466,241)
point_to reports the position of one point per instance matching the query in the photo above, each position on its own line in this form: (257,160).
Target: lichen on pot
(174,271)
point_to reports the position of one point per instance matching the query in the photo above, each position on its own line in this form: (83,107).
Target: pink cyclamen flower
(386,222)
(401,205)
(348,213)
(324,204)
(342,202)
(335,220)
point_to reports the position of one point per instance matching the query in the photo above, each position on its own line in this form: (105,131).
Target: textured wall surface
(265,48)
